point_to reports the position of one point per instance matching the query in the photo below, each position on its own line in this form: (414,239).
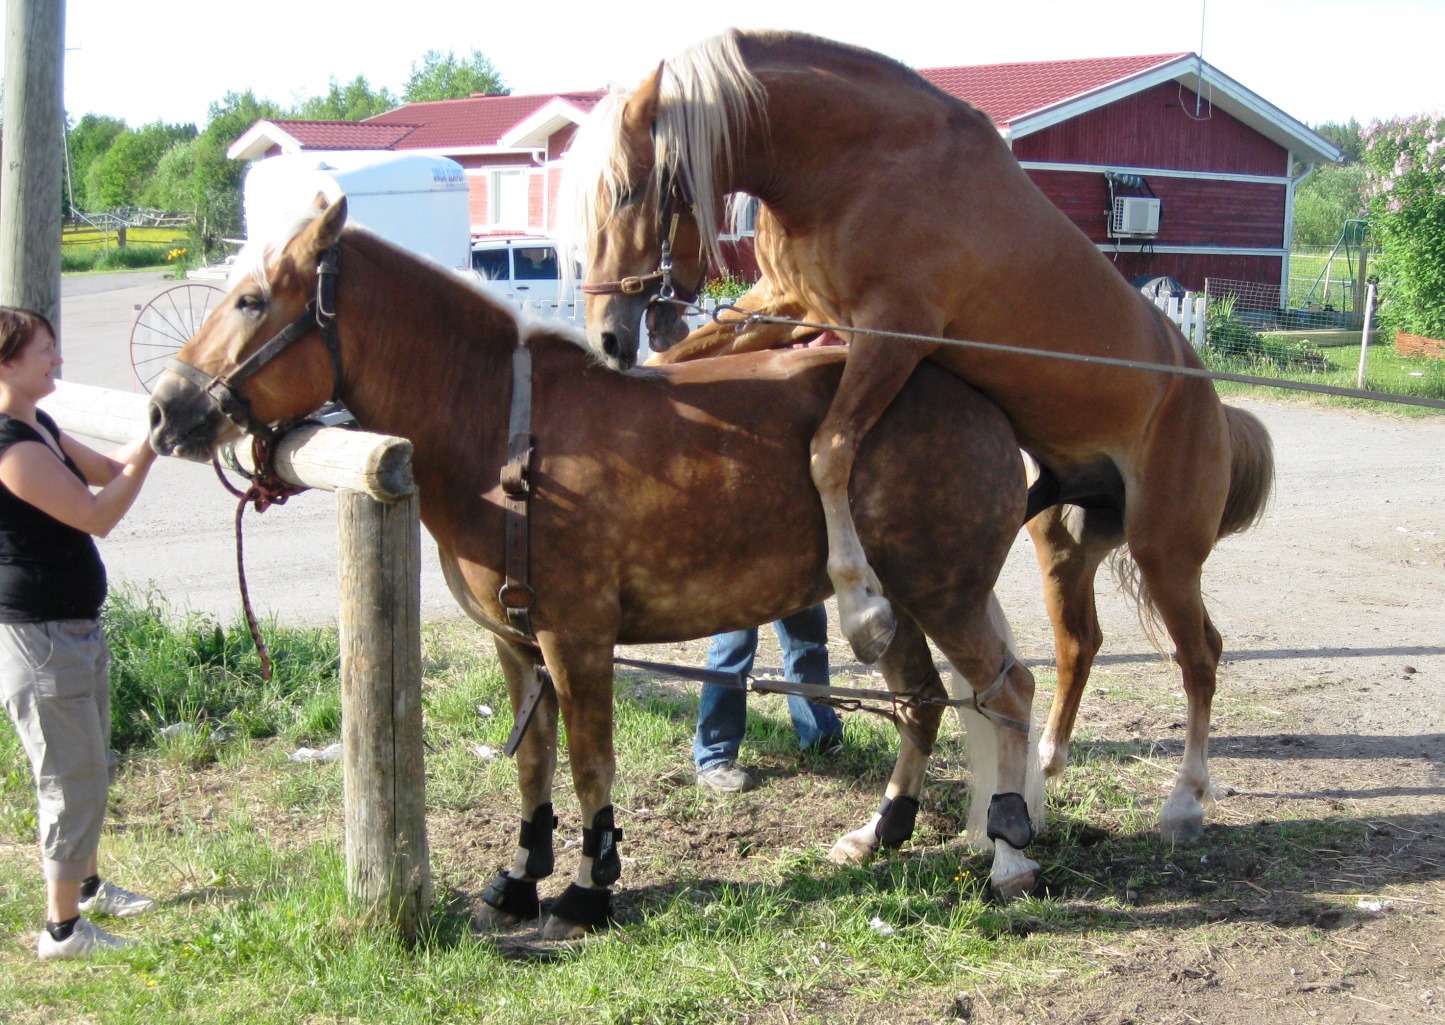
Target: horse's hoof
(495,918)
(1182,818)
(1181,830)
(874,631)
(560,929)
(855,848)
(1016,882)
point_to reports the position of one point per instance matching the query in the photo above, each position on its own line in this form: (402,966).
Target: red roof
(475,121)
(1006,92)
(344,134)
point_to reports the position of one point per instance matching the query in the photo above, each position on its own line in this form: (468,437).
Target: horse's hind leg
(1172,528)
(512,895)
(1175,594)
(1005,806)
(908,667)
(1070,543)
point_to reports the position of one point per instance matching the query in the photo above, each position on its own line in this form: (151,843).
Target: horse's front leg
(908,667)
(583,677)
(875,372)
(512,895)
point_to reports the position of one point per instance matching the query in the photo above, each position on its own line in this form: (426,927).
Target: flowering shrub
(1405,189)
(175,254)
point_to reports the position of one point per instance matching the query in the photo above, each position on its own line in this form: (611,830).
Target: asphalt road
(1353,547)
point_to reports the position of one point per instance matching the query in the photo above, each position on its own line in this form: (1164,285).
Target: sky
(168,60)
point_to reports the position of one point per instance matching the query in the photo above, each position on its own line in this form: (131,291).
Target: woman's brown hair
(17,328)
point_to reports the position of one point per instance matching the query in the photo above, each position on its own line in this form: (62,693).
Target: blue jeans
(722,713)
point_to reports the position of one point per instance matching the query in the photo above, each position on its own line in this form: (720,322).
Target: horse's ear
(638,118)
(324,232)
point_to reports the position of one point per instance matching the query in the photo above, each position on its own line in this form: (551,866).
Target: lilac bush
(1405,190)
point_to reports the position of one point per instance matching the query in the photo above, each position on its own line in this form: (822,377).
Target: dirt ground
(1318,892)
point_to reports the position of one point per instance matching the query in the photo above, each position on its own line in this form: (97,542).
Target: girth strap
(516,595)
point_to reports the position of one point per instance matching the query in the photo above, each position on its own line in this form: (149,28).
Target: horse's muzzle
(183,419)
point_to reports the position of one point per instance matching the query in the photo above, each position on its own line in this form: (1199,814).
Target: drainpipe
(1294,183)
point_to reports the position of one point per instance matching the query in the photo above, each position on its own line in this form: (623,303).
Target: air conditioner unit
(1135,217)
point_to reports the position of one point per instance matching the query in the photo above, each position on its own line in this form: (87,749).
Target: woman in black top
(53,661)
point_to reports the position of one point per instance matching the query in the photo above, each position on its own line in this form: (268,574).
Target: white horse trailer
(419,202)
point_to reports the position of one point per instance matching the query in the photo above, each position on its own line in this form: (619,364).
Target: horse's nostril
(609,344)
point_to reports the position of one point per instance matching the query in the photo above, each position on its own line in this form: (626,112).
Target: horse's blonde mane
(707,99)
(259,254)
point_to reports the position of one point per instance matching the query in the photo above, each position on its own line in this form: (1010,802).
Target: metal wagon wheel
(166,323)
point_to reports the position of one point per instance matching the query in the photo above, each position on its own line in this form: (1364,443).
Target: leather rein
(266,489)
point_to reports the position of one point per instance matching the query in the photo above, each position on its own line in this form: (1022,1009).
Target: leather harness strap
(516,595)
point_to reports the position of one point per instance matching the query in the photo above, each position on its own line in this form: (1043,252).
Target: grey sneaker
(85,941)
(726,777)
(117,902)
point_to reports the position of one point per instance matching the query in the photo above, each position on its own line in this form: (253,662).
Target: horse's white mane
(708,97)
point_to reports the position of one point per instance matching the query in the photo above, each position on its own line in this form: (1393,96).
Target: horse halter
(320,313)
(669,218)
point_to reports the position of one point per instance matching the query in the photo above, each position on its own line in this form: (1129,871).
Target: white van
(522,269)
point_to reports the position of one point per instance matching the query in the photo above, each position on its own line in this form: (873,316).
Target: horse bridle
(223,389)
(668,218)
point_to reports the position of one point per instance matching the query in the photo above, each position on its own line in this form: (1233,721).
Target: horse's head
(636,221)
(267,354)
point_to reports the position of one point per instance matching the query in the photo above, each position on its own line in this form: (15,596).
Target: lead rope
(265,490)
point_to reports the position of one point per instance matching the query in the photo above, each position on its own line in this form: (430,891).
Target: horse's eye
(250,303)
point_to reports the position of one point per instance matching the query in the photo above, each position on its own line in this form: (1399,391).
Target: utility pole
(34,151)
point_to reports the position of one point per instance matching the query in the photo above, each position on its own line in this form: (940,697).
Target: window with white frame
(508,192)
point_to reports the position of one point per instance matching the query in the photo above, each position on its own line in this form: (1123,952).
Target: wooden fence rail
(379,622)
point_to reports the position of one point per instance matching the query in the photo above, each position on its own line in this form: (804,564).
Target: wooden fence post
(1365,336)
(387,862)
(34,147)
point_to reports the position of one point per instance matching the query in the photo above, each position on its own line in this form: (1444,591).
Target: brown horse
(708,460)
(894,207)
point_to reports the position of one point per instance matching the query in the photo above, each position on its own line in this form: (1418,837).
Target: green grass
(1336,363)
(90,249)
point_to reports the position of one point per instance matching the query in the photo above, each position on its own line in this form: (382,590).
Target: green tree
(119,176)
(351,102)
(1348,137)
(1327,199)
(89,140)
(199,179)
(1405,186)
(444,77)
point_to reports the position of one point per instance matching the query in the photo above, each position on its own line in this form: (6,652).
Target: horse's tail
(1251,472)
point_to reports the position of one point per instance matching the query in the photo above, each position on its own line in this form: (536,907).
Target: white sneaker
(116,901)
(86,940)
(726,777)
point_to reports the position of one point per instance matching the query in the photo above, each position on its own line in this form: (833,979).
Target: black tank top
(48,570)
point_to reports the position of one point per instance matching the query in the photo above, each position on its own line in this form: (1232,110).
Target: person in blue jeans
(722,711)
